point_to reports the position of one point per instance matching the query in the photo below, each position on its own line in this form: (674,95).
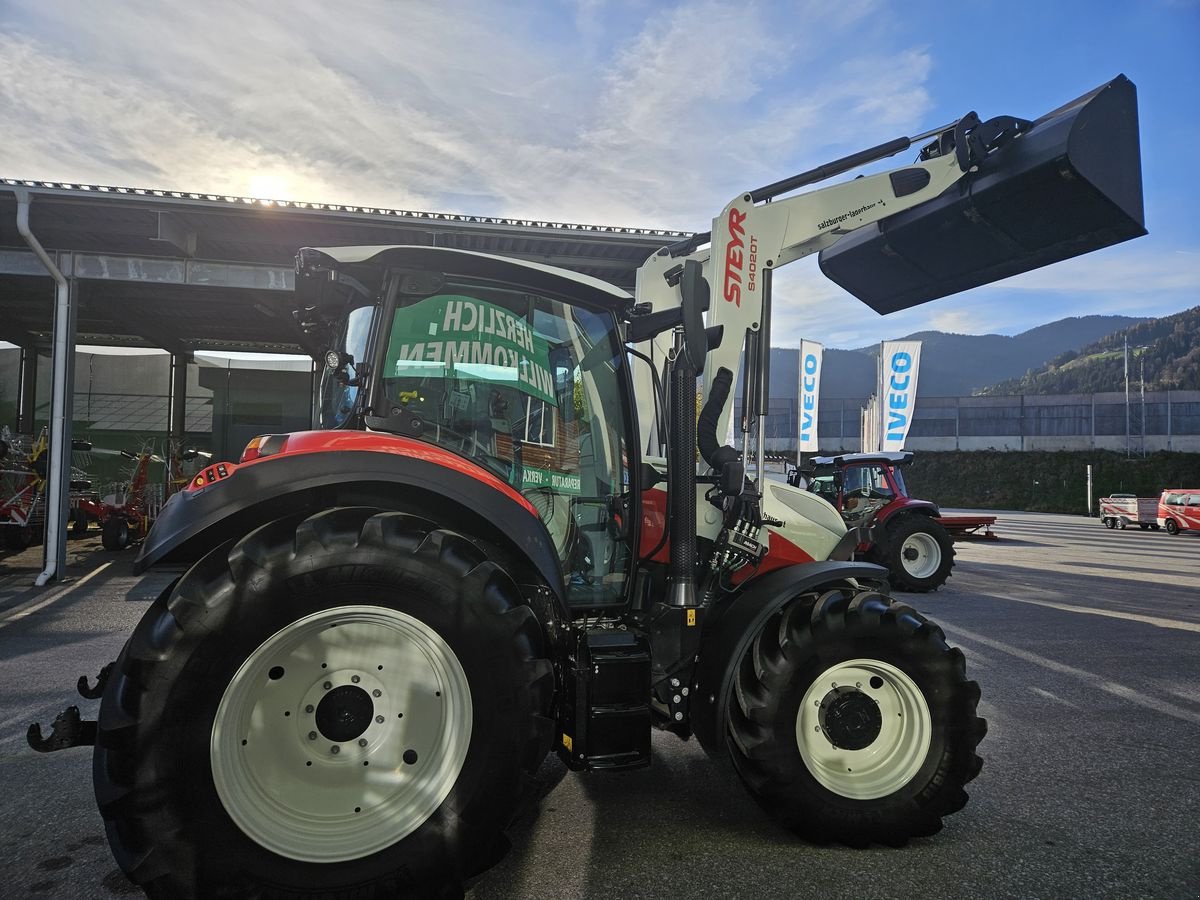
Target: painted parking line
(1156,621)
(29,608)
(1097,681)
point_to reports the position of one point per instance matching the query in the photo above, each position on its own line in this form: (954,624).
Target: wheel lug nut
(308,708)
(312,735)
(377,692)
(362,742)
(379,719)
(328,685)
(355,679)
(335,749)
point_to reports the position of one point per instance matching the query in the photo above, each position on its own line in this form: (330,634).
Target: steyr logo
(739,259)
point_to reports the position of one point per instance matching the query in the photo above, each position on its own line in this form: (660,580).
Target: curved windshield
(528,387)
(339,388)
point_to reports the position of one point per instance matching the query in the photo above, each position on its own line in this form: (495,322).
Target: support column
(27,392)
(176,420)
(58,481)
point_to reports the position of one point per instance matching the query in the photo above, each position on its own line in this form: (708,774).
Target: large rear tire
(853,721)
(918,553)
(400,644)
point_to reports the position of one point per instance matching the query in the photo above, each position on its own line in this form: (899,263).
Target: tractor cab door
(533,388)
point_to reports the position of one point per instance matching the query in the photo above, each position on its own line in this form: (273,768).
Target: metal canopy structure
(186,272)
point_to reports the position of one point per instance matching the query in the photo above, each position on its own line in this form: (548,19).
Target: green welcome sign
(467,338)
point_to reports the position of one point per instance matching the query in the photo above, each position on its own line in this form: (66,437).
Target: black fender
(193,522)
(730,629)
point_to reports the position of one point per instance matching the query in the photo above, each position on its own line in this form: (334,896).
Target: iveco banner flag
(810,393)
(898,364)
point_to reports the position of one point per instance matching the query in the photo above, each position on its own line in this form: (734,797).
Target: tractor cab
(514,367)
(863,487)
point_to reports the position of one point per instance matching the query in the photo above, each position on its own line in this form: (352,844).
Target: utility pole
(1142,380)
(1128,451)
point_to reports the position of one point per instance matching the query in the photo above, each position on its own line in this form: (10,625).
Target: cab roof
(886,457)
(537,276)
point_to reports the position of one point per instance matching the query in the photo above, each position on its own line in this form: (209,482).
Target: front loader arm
(754,235)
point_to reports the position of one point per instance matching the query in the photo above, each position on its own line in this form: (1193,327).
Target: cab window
(510,380)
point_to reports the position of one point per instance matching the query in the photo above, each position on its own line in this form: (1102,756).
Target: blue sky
(604,111)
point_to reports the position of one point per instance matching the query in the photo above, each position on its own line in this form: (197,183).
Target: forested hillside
(1165,350)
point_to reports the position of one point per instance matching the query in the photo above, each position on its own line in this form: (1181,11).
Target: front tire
(206,769)
(918,553)
(852,720)
(1172,526)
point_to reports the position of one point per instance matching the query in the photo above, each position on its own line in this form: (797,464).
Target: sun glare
(270,187)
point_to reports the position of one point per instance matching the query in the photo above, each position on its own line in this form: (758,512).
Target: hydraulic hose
(712,452)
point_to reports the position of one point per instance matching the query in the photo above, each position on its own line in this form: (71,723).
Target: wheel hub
(850,718)
(341,733)
(863,728)
(344,713)
(911,553)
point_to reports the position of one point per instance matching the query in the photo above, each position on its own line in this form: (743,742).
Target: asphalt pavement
(1086,643)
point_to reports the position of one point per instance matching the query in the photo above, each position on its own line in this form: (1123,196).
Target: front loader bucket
(1069,185)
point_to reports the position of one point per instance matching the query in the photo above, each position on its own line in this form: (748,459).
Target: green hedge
(1044,481)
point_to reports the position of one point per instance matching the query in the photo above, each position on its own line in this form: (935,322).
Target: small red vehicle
(1179,510)
(125,516)
(910,537)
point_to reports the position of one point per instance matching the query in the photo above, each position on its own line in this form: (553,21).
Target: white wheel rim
(293,794)
(898,751)
(920,554)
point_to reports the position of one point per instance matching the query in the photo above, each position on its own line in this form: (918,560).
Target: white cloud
(603,111)
(619,113)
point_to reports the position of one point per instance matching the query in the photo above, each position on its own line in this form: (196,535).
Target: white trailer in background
(1123,510)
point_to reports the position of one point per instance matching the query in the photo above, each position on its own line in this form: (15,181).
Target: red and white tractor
(498,543)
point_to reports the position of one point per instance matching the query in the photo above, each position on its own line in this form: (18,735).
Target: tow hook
(68,730)
(94,693)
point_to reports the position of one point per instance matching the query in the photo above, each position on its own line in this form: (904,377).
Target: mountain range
(952,365)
